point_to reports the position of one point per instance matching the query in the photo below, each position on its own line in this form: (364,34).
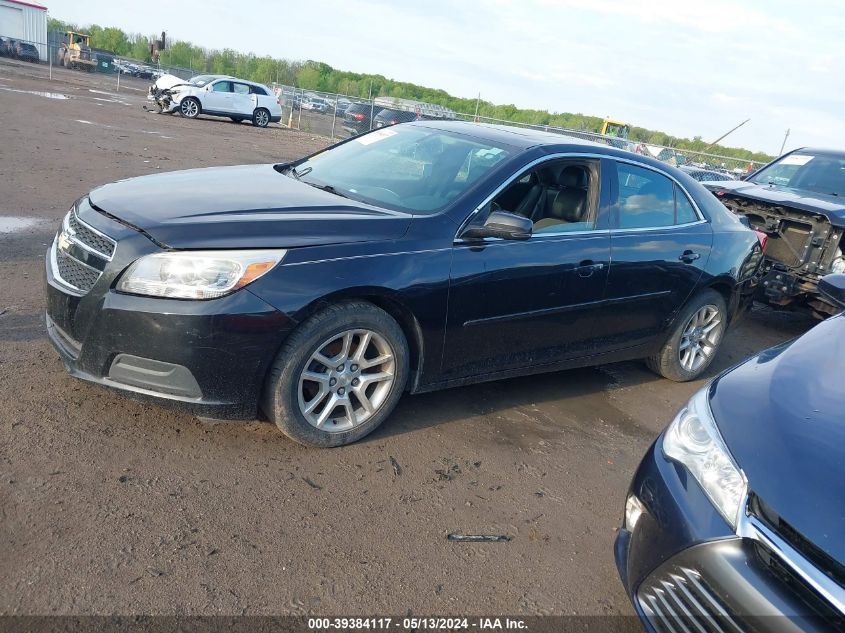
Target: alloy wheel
(262,118)
(346,380)
(700,337)
(190,108)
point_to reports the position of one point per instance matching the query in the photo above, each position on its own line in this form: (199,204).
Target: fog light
(633,511)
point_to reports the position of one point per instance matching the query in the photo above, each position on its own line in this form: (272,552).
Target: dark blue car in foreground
(415,257)
(735,519)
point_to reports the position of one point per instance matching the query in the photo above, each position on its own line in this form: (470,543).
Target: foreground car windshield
(405,168)
(201,80)
(819,173)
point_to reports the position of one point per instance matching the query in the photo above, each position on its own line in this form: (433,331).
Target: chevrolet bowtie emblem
(64,241)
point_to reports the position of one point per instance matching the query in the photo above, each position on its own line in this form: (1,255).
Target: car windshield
(201,80)
(406,168)
(819,173)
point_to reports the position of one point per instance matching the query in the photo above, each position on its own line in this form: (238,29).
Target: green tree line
(313,75)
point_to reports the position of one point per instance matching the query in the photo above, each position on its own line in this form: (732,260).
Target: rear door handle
(587,267)
(688,257)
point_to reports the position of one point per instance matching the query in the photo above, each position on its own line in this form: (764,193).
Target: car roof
(522,138)
(838,153)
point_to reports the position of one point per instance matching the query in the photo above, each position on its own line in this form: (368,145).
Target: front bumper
(684,568)
(207,357)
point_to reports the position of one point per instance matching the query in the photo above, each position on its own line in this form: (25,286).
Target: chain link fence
(335,116)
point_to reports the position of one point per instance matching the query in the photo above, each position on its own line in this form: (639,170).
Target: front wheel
(261,117)
(338,376)
(694,340)
(190,108)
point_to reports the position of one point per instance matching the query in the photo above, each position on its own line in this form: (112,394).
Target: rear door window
(241,89)
(646,198)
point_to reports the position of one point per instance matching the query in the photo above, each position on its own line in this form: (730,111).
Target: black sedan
(735,517)
(412,258)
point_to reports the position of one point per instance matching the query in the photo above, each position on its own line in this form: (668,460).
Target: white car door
(218,97)
(242,101)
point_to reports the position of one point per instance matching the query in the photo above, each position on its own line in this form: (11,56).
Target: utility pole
(477,102)
(733,129)
(372,104)
(786,136)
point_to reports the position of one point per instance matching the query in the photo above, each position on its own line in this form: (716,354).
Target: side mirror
(833,287)
(744,221)
(504,225)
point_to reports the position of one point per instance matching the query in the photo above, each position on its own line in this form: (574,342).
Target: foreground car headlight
(838,265)
(197,274)
(693,440)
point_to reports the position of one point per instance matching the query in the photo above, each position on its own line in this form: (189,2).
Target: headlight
(838,265)
(693,440)
(197,274)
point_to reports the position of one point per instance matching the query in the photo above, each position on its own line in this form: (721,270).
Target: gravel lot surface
(114,507)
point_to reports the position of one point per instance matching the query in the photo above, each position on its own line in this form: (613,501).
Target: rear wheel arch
(728,289)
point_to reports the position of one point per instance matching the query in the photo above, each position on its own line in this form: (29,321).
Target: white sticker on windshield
(376,136)
(797,159)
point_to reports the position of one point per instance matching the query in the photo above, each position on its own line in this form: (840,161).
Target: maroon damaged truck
(798,201)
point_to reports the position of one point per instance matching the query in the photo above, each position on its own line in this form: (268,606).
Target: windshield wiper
(299,174)
(328,188)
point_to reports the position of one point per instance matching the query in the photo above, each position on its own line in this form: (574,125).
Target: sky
(685,68)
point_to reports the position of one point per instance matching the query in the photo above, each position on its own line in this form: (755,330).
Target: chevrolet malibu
(412,258)
(734,519)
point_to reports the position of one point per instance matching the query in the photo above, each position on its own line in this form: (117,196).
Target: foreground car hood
(833,207)
(248,206)
(781,415)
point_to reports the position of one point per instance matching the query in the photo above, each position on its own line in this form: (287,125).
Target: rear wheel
(694,340)
(338,376)
(190,108)
(261,117)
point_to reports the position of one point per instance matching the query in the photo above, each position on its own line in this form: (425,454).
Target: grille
(825,563)
(88,237)
(80,253)
(681,601)
(76,273)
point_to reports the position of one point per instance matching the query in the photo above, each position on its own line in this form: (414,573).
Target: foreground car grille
(681,601)
(80,253)
(75,273)
(87,236)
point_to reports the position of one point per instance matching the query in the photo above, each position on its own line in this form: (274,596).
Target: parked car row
(19,50)
(141,71)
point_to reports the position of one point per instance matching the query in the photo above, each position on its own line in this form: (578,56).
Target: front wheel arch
(388,301)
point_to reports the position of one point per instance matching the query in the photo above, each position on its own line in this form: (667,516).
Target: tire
(190,108)
(289,390)
(699,326)
(261,117)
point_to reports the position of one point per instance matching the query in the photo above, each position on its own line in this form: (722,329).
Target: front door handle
(688,257)
(588,267)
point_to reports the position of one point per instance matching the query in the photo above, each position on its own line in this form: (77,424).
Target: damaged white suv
(216,95)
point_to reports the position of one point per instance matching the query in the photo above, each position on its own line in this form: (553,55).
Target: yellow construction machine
(75,51)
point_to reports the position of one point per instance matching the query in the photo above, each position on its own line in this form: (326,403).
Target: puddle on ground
(38,93)
(13,224)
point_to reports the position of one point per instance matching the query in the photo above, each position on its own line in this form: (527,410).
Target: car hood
(833,207)
(248,206)
(781,415)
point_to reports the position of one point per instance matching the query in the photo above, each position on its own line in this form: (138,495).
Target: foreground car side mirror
(504,225)
(833,287)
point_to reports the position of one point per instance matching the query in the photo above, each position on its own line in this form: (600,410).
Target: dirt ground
(114,507)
